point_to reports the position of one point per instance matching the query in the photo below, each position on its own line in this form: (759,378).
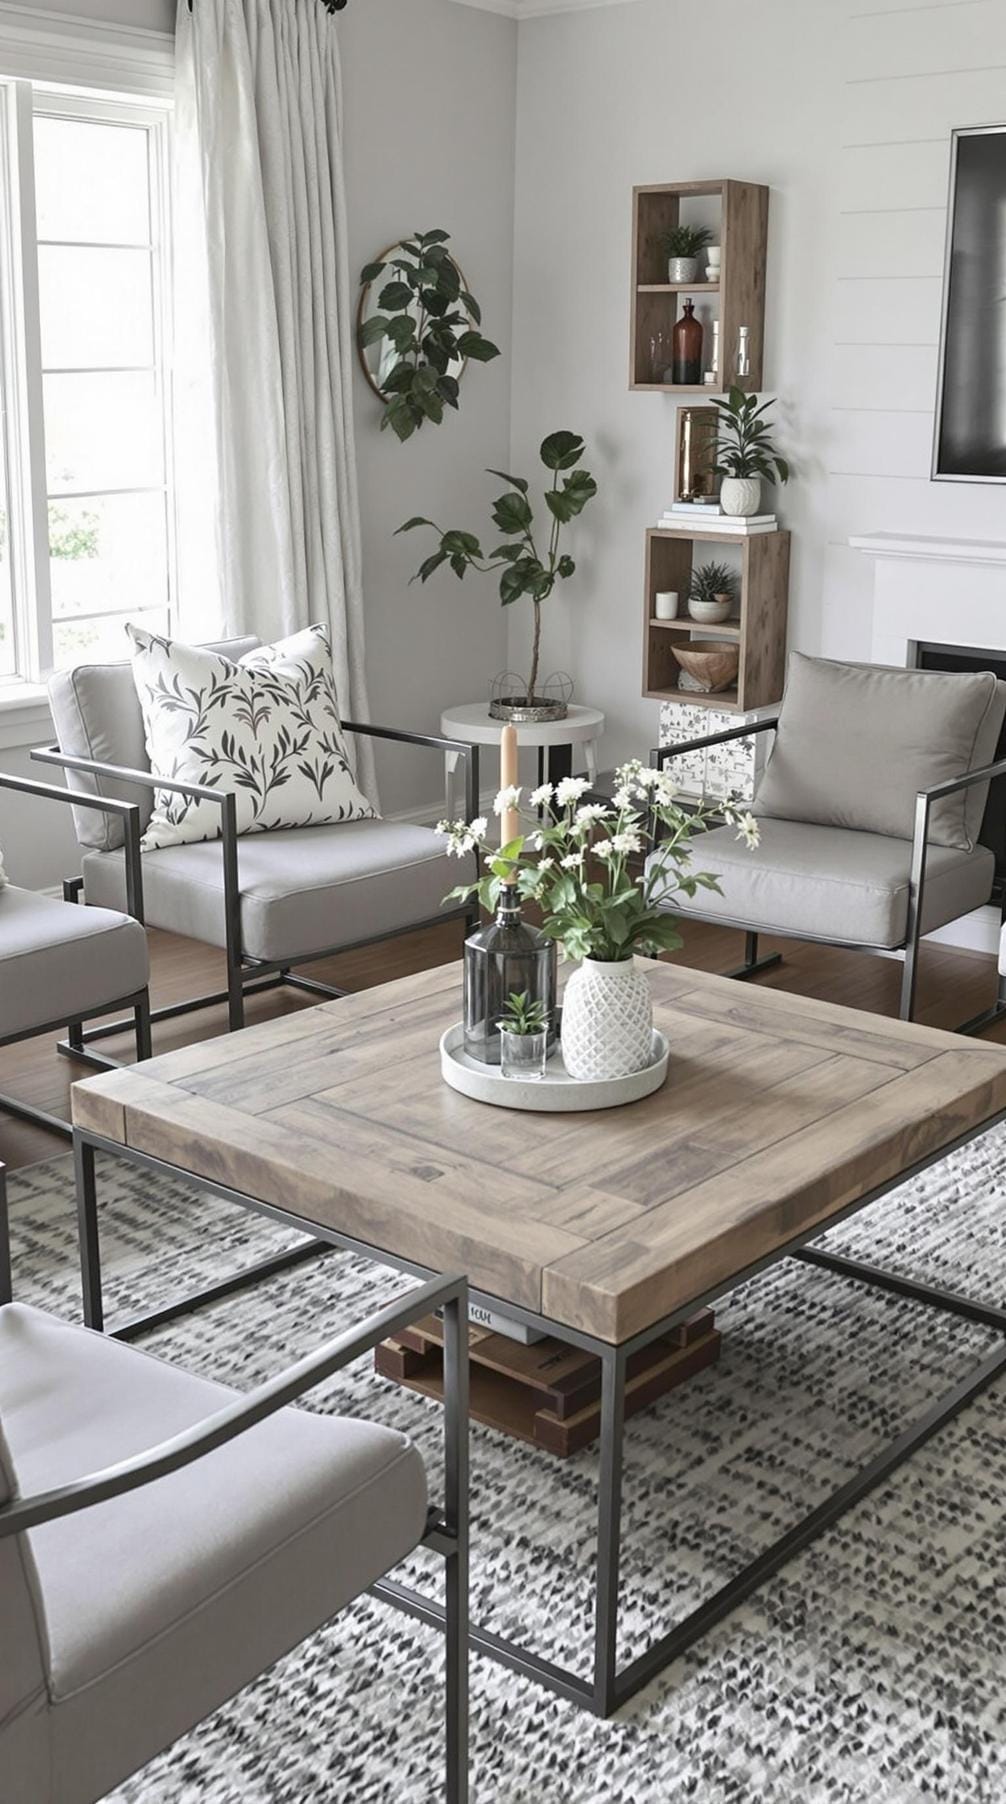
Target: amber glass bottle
(686,355)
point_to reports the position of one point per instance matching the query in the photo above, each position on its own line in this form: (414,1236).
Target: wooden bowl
(711,662)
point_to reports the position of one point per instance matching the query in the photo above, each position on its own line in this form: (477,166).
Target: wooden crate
(548,1394)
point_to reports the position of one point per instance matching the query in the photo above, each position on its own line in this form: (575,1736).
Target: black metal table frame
(609,1685)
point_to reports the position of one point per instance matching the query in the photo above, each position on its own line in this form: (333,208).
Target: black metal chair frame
(907,950)
(138,1001)
(446,1528)
(247,976)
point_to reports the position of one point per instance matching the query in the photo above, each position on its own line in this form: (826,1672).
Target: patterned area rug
(872,1668)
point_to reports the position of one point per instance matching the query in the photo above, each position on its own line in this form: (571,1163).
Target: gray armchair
(272,901)
(212,1533)
(869,811)
(61,964)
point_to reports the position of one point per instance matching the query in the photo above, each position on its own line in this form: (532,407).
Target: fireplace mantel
(921,545)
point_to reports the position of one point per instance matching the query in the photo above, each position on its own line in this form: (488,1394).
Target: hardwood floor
(953,985)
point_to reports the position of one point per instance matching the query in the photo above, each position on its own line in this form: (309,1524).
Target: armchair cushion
(265,726)
(856,743)
(303,890)
(60,961)
(96,714)
(161,1604)
(830,884)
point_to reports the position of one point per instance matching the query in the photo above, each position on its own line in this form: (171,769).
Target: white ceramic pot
(683,269)
(710,613)
(607,1020)
(740,495)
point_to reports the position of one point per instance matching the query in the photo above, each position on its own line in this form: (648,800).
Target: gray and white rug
(873,1668)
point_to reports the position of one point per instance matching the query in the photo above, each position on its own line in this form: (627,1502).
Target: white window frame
(76,63)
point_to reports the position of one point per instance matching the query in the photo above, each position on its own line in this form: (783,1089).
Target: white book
(502,1324)
(725,524)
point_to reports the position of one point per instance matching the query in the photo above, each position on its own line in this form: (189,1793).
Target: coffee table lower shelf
(548,1394)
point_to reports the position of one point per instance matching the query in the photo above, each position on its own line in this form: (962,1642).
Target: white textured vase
(683,269)
(740,495)
(607,1020)
(710,613)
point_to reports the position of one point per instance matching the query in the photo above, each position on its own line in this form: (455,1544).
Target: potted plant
(745,452)
(428,324)
(524,568)
(523,1036)
(712,592)
(579,862)
(682,246)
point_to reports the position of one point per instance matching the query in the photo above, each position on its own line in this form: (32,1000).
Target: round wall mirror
(378,356)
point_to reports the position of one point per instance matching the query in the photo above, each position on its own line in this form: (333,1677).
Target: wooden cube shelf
(740,291)
(760,625)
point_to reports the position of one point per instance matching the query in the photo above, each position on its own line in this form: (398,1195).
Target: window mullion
(36,591)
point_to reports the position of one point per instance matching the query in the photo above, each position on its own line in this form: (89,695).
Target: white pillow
(267,728)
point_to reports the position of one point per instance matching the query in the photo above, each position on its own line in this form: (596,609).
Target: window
(86,518)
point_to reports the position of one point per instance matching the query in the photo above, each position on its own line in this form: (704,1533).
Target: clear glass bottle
(502,959)
(743,352)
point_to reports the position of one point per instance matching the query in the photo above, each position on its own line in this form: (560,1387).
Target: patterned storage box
(721,770)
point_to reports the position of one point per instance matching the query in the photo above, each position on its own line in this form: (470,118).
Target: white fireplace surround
(939,591)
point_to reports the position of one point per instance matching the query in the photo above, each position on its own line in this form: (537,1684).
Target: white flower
(627,842)
(507,798)
(622,797)
(461,837)
(748,829)
(537,842)
(570,789)
(479,827)
(604,849)
(545,864)
(647,776)
(571,862)
(541,796)
(664,790)
(589,813)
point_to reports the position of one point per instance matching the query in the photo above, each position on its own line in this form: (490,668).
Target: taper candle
(510,819)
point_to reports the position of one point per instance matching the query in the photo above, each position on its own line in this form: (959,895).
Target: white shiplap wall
(911,74)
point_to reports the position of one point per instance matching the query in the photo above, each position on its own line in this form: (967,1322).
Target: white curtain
(269,528)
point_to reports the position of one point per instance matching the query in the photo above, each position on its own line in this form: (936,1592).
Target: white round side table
(553,739)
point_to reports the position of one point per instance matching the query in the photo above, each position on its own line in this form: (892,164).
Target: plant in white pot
(579,863)
(712,592)
(683,246)
(745,452)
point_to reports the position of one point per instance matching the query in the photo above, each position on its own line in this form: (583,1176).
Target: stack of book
(700,513)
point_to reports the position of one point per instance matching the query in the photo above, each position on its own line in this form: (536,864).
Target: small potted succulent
(745,452)
(712,593)
(523,1036)
(683,246)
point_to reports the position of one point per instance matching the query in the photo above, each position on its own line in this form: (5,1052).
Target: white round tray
(556,1092)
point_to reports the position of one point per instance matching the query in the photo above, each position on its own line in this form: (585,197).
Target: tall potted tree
(526,566)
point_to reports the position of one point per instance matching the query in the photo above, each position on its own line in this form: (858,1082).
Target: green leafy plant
(744,444)
(432,322)
(685,241)
(522,1016)
(712,580)
(525,570)
(577,860)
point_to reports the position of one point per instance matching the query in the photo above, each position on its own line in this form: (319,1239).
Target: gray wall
(845,111)
(425,150)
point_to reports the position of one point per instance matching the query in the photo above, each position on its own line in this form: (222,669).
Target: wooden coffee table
(781,1116)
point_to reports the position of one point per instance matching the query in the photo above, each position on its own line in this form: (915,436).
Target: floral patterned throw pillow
(267,728)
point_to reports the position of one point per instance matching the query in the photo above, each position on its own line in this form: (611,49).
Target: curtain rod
(331,6)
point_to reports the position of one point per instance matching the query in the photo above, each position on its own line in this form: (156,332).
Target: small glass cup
(523,1055)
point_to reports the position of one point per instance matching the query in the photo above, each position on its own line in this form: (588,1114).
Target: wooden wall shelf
(743,237)
(760,626)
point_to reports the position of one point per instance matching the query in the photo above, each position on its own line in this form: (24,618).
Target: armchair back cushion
(856,742)
(96,714)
